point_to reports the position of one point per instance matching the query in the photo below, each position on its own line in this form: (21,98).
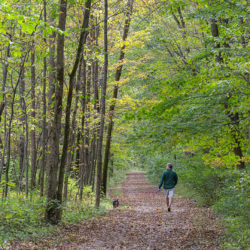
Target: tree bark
(183,25)
(235,133)
(115,94)
(215,34)
(4,146)
(33,116)
(102,108)
(44,126)
(53,206)
(80,153)
(82,41)
(22,136)
(86,166)
(5,193)
(234,117)
(73,134)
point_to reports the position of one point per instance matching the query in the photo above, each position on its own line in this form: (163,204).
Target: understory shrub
(234,206)
(76,211)
(23,219)
(226,190)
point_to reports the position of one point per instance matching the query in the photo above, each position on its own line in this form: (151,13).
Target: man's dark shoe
(169,209)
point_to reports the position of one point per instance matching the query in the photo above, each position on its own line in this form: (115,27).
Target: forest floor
(141,222)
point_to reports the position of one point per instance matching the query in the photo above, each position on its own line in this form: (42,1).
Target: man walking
(170,179)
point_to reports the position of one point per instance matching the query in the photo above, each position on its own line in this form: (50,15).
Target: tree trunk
(234,117)
(26,151)
(94,143)
(82,41)
(87,129)
(53,206)
(73,134)
(235,132)
(5,193)
(115,95)
(33,116)
(2,106)
(183,25)
(22,136)
(81,148)
(102,108)
(44,126)
(215,34)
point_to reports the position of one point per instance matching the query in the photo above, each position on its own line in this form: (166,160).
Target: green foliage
(156,165)
(204,182)
(76,211)
(22,218)
(225,190)
(234,204)
(178,103)
(238,234)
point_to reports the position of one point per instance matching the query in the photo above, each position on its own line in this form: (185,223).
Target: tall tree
(44,126)
(33,115)
(118,74)
(53,208)
(102,107)
(82,41)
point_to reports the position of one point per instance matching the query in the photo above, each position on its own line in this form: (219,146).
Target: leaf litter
(141,222)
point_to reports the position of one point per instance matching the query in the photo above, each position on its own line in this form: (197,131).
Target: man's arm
(176,178)
(162,178)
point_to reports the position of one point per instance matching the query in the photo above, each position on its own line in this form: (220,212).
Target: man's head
(169,166)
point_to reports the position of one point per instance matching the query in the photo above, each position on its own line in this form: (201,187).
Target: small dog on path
(115,203)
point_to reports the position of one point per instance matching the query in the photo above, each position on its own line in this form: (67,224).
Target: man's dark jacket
(169,178)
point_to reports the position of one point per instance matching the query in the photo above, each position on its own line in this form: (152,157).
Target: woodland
(92,89)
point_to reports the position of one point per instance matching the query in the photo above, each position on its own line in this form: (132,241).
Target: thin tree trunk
(22,136)
(5,193)
(73,134)
(215,34)
(87,130)
(26,151)
(235,132)
(51,96)
(183,25)
(82,149)
(102,108)
(2,106)
(94,143)
(33,116)
(93,161)
(115,94)
(244,41)
(44,137)
(53,207)
(95,74)
(82,41)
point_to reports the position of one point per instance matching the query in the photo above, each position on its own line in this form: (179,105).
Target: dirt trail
(145,223)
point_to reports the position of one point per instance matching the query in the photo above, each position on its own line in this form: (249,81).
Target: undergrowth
(22,219)
(226,191)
